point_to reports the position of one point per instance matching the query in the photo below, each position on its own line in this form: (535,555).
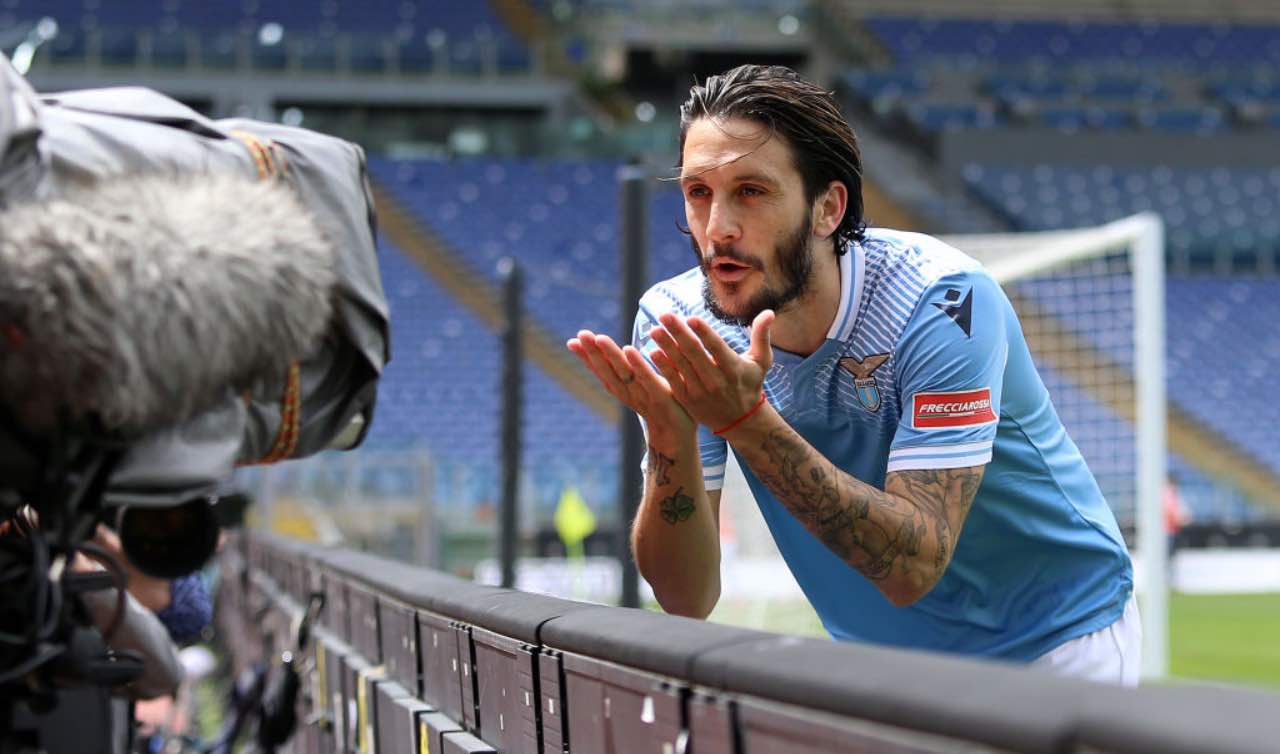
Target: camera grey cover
(67,148)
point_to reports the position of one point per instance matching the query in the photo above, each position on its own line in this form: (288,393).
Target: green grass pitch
(1226,637)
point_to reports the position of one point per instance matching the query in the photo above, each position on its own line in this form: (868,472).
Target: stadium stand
(1013,41)
(455,414)
(1209,213)
(418,35)
(1219,357)
(1071,75)
(558,217)
(1106,440)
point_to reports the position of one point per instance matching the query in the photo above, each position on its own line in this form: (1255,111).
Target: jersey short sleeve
(713,450)
(950,366)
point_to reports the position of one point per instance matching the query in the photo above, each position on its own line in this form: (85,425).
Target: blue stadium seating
(441,391)
(411,27)
(1207,212)
(951,116)
(1223,352)
(1011,42)
(1071,118)
(1182,119)
(1044,87)
(871,84)
(1106,440)
(1073,75)
(1222,343)
(1220,355)
(559,219)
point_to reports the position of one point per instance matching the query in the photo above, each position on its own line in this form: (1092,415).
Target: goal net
(1091,303)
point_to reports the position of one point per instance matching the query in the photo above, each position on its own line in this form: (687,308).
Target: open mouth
(728,269)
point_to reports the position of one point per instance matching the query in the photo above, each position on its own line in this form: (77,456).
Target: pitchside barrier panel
(407,660)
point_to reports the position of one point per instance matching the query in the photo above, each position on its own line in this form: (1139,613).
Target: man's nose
(722,225)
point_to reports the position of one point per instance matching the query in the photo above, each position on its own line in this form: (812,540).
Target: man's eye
(697,192)
(751,191)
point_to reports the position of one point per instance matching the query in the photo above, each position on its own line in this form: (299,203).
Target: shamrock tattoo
(678,507)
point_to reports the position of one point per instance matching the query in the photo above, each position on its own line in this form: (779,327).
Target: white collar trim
(853,264)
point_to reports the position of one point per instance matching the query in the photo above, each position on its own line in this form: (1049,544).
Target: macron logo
(966,408)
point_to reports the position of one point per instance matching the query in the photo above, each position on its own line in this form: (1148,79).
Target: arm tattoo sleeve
(909,529)
(659,465)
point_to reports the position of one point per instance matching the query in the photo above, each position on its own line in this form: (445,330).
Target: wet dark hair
(823,146)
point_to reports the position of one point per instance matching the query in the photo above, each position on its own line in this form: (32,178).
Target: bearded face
(785,280)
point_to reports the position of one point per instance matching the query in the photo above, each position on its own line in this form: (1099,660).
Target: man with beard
(876,388)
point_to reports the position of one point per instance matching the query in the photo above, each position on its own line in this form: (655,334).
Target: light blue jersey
(925,367)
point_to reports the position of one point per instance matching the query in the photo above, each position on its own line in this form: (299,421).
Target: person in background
(185,608)
(183,605)
(1176,513)
(136,627)
(127,625)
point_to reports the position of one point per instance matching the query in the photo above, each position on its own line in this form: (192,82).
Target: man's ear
(828,209)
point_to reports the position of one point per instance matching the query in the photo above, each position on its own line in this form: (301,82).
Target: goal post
(1091,301)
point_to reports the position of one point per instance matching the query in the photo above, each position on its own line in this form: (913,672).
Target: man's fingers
(589,350)
(622,370)
(689,343)
(580,351)
(686,352)
(672,375)
(676,362)
(582,345)
(107,538)
(585,358)
(612,355)
(655,384)
(711,340)
(761,350)
(577,349)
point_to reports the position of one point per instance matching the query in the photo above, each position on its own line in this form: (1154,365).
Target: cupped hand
(627,375)
(715,384)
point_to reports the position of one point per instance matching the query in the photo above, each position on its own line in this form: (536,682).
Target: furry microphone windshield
(137,302)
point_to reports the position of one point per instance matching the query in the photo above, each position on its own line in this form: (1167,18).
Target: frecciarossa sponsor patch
(966,408)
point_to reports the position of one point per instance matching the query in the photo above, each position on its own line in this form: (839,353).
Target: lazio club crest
(864,380)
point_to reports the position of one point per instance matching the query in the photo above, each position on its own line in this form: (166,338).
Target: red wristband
(742,418)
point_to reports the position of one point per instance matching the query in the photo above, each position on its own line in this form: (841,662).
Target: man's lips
(728,270)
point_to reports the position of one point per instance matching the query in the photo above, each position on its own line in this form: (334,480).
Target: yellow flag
(574,520)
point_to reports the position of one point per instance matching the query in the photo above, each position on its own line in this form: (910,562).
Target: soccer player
(877,390)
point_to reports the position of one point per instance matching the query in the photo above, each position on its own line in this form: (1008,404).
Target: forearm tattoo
(909,528)
(677,508)
(658,466)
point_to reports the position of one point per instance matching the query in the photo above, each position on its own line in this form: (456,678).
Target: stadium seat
(1072,75)
(1064,42)
(441,393)
(477,39)
(566,238)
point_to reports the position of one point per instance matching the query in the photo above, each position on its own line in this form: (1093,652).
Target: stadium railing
(406,660)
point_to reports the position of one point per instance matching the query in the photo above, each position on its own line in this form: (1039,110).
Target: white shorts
(1109,655)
